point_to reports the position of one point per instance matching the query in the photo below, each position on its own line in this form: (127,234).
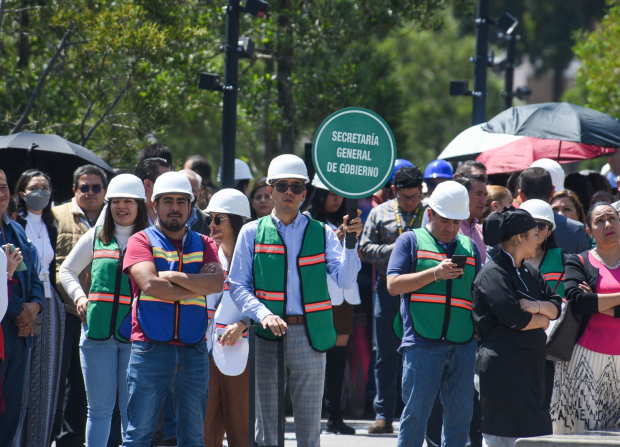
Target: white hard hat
(540,210)
(172,183)
(229,201)
(125,186)
(554,168)
(605,169)
(242,171)
(450,200)
(318,184)
(287,166)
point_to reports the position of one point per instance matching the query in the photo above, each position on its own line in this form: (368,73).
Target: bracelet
(435,275)
(539,308)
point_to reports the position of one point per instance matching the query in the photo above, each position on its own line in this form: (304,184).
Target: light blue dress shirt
(342,264)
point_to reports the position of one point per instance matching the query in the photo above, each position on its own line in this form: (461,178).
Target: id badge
(47,288)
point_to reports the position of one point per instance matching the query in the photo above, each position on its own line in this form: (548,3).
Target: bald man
(197,220)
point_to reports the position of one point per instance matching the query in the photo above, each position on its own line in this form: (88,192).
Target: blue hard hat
(438,169)
(400,163)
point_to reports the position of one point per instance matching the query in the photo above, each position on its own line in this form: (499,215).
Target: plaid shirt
(381,231)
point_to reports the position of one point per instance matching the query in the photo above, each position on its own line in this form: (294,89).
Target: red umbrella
(520,154)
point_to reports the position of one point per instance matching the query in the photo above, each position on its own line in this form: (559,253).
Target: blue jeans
(388,358)
(152,369)
(104,366)
(449,369)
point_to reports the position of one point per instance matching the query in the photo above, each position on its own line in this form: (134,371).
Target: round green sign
(354,152)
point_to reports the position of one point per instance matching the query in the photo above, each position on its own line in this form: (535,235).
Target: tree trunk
(23,44)
(284,77)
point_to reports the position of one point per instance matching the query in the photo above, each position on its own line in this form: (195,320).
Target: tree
(425,61)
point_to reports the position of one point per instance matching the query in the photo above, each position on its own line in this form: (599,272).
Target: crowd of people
(125,311)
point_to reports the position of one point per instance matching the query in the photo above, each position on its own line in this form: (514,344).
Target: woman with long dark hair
(586,387)
(104,351)
(227,407)
(330,208)
(260,200)
(33,199)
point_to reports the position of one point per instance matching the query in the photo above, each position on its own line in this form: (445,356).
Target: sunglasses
(96,189)
(296,188)
(217,220)
(542,226)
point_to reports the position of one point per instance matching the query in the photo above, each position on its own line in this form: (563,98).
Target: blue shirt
(342,265)
(402,262)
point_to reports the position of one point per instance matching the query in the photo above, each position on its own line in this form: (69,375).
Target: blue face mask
(36,201)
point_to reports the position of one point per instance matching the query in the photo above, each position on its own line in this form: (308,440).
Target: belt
(294,319)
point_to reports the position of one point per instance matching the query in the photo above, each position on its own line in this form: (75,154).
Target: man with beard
(172,268)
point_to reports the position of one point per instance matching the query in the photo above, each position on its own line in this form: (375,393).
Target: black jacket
(579,269)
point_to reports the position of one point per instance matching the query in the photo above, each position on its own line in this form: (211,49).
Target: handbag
(563,336)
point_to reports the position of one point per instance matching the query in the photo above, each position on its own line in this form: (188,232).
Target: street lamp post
(230,88)
(481,62)
(511,57)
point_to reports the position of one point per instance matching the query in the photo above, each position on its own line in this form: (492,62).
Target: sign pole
(352,212)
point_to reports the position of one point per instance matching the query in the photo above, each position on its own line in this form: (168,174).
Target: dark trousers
(70,421)
(13,379)
(388,359)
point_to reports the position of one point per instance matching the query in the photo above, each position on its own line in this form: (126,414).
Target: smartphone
(460,261)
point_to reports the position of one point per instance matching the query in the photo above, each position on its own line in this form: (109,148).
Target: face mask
(38,200)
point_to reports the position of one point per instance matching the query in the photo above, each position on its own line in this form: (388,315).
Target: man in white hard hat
(554,169)
(435,322)
(197,219)
(243,175)
(172,269)
(278,277)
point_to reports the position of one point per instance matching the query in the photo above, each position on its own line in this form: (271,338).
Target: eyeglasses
(542,226)
(296,188)
(217,220)
(408,198)
(96,189)
(36,189)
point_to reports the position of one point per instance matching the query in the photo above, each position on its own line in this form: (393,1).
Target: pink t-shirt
(602,334)
(139,250)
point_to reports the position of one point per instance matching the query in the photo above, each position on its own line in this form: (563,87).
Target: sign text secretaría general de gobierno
(354,152)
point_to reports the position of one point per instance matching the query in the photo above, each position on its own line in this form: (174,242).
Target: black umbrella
(51,154)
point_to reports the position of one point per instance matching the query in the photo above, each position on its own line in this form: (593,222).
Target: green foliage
(425,61)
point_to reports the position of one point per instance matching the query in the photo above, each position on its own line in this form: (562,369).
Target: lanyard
(399,219)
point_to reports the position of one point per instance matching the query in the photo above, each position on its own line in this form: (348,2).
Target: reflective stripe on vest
(270,269)
(551,268)
(109,298)
(441,310)
(180,321)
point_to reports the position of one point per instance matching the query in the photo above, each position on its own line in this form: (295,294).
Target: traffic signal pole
(479,93)
(230,89)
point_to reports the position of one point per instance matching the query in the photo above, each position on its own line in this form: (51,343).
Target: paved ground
(360,439)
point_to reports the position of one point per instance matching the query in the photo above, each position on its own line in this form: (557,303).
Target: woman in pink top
(587,388)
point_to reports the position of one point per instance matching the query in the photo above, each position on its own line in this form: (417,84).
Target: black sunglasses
(96,189)
(296,188)
(217,219)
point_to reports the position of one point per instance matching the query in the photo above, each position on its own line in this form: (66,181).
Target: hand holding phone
(460,261)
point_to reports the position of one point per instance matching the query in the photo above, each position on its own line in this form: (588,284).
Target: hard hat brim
(124,196)
(293,176)
(455,216)
(218,209)
(438,176)
(174,192)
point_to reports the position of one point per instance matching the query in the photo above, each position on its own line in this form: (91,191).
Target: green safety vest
(552,267)
(109,299)
(441,310)
(270,267)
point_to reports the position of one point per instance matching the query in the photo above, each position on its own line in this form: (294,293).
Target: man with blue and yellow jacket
(172,269)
